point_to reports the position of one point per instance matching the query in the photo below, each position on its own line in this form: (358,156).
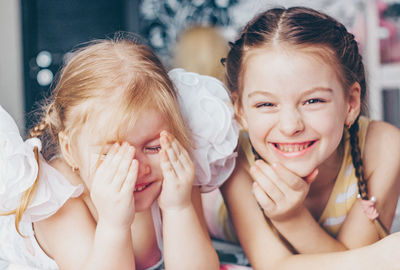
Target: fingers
(130,182)
(312,176)
(262,175)
(166,166)
(262,198)
(175,160)
(292,180)
(116,166)
(105,169)
(122,161)
(278,181)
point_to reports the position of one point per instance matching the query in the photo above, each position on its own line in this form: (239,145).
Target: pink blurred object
(390,43)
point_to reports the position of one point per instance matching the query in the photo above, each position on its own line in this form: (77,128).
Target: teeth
(291,147)
(140,188)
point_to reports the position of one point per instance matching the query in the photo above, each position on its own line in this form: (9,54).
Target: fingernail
(163,140)
(254,185)
(164,133)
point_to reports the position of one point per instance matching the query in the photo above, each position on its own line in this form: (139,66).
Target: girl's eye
(265,104)
(313,101)
(153,149)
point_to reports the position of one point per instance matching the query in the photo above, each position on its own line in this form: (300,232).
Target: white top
(18,171)
(209,116)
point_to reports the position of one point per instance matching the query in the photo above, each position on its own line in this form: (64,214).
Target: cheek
(88,169)
(259,126)
(329,125)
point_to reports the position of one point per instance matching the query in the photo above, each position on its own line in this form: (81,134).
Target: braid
(357,161)
(362,182)
(39,129)
(49,116)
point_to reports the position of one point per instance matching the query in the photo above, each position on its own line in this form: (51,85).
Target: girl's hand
(279,191)
(178,172)
(113,184)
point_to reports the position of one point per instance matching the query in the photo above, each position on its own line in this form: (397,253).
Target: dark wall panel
(56,27)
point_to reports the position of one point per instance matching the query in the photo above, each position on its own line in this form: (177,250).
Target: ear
(65,146)
(354,104)
(239,111)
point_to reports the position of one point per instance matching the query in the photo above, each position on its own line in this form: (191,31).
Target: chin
(300,169)
(145,199)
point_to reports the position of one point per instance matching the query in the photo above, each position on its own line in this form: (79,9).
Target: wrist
(292,217)
(177,210)
(112,227)
(175,206)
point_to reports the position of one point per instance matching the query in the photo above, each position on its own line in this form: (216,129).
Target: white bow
(208,113)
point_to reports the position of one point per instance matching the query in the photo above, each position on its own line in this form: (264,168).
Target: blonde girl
(313,173)
(113,174)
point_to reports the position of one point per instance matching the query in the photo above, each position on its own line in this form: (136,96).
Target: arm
(266,251)
(381,159)
(72,237)
(74,247)
(381,166)
(281,195)
(186,241)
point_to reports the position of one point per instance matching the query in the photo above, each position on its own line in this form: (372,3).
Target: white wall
(11,69)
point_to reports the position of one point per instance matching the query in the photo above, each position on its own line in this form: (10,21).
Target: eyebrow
(317,89)
(310,91)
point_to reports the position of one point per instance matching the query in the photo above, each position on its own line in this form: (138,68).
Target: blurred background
(37,35)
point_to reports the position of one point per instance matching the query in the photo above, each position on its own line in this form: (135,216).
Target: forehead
(148,125)
(134,127)
(281,70)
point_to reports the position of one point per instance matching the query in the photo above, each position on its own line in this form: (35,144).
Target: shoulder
(240,178)
(382,167)
(382,153)
(70,225)
(382,142)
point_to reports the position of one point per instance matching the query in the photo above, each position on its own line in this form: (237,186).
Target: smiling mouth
(293,147)
(141,187)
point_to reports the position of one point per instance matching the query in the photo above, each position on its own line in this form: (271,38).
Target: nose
(144,166)
(291,122)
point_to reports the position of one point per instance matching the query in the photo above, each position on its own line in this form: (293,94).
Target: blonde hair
(120,75)
(199,49)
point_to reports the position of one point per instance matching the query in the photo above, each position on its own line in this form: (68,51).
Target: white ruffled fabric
(18,171)
(208,113)
(18,166)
